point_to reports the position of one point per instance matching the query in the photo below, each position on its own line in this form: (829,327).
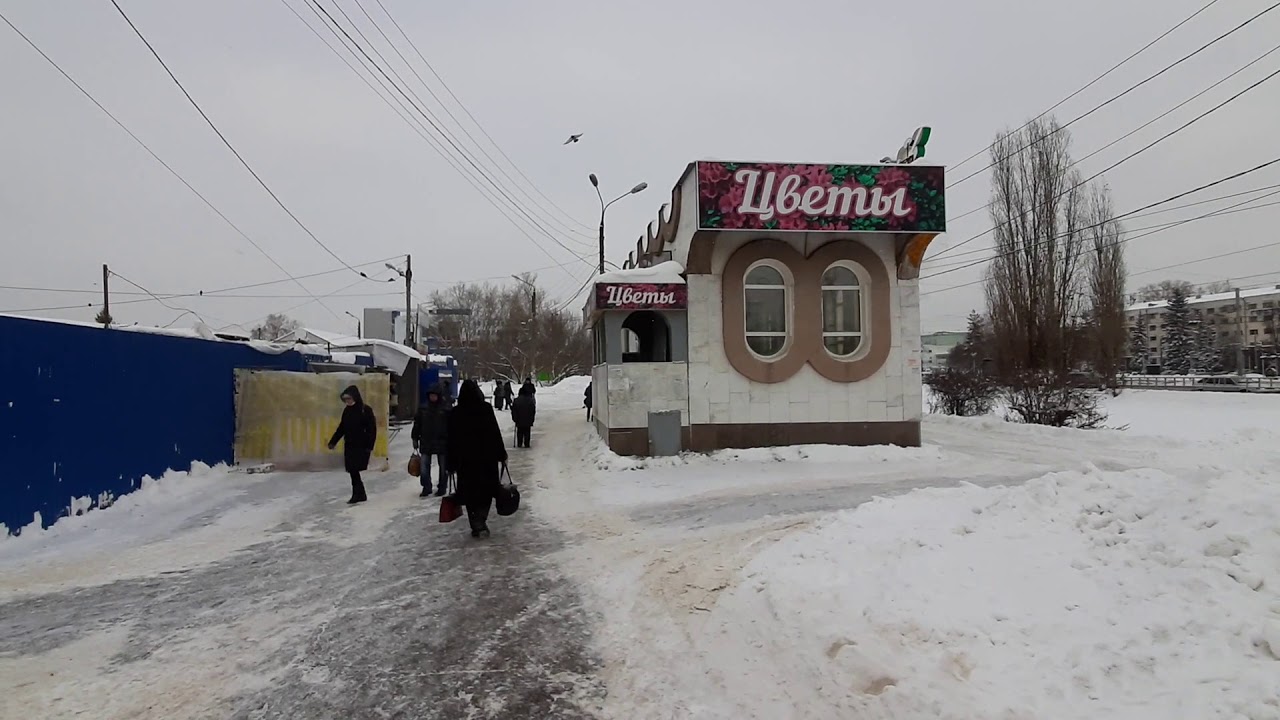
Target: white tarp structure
(385,353)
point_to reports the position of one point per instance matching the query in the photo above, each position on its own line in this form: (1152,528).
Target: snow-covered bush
(960,392)
(1052,399)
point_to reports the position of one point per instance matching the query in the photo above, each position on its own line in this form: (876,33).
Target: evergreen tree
(969,353)
(1179,341)
(1207,358)
(1138,343)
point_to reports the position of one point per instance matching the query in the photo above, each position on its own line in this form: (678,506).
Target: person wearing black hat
(359,429)
(476,455)
(430,437)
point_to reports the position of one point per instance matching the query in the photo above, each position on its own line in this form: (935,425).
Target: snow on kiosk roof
(769,304)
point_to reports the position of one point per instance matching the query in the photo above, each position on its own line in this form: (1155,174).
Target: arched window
(842,322)
(765,309)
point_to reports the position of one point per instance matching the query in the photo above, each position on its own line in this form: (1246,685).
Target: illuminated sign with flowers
(821,198)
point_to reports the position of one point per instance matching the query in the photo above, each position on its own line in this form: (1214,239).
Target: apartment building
(1253,320)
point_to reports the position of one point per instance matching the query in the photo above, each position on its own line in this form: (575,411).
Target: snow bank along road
(270,598)
(1013,572)
(1030,573)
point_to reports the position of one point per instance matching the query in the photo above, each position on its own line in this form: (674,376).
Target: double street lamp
(595,182)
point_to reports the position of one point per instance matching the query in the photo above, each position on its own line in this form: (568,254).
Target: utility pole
(1240,328)
(106,296)
(408,301)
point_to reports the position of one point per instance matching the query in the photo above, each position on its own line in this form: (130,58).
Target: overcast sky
(651,86)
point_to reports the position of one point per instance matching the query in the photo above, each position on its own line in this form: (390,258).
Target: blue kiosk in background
(438,370)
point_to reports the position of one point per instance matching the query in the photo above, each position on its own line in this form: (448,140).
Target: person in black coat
(499,391)
(431,438)
(523,411)
(476,454)
(586,401)
(360,430)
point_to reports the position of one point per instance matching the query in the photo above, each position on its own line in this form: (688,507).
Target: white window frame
(788,289)
(863,335)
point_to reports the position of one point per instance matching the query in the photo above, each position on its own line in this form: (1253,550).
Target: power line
(478,145)
(1138,237)
(152,153)
(1096,108)
(432,121)
(484,132)
(1094,81)
(231,147)
(414,124)
(955,260)
(1128,214)
(1143,126)
(1136,153)
(1215,257)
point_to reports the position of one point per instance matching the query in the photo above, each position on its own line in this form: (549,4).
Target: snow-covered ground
(1000,571)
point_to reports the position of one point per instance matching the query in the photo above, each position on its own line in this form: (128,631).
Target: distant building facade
(1253,321)
(936,347)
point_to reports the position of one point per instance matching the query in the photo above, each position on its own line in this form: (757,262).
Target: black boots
(426,492)
(357,490)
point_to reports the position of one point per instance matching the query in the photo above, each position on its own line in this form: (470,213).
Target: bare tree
(274,327)
(1033,286)
(513,332)
(1106,278)
(1162,290)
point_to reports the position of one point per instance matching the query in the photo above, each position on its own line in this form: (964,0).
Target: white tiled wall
(718,394)
(637,389)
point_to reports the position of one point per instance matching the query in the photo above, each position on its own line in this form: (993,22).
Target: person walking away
(508,395)
(586,401)
(497,394)
(431,437)
(359,431)
(523,411)
(476,453)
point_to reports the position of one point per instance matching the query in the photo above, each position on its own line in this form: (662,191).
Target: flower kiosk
(769,304)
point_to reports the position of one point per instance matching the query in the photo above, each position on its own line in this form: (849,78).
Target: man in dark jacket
(431,438)
(523,411)
(360,430)
(476,454)
(586,401)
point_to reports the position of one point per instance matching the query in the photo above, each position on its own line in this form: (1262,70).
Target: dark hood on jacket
(470,394)
(527,389)
(354,393)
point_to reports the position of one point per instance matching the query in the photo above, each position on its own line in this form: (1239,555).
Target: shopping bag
(450,509)
(508,499)
(415,465)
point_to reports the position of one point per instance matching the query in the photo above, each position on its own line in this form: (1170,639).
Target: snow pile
(172,488)
(670,272)
(1078,595)
(564,395)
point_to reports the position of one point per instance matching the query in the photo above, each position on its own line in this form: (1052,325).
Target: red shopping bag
(450,510)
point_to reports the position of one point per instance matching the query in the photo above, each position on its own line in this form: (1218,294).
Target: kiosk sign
(641,296)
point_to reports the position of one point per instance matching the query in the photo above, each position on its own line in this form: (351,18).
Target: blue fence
(86,411)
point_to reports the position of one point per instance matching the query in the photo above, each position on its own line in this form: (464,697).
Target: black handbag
(508,500)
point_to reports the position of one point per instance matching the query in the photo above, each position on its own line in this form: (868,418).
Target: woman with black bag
(476,455)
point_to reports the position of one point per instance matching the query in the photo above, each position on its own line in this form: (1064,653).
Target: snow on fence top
(199,332)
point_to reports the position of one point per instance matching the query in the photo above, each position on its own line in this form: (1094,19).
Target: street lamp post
(359,329)
(595,183)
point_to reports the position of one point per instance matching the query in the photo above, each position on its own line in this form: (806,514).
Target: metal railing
(1197,382)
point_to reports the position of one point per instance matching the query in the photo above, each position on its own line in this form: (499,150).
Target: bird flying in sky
(573,138)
